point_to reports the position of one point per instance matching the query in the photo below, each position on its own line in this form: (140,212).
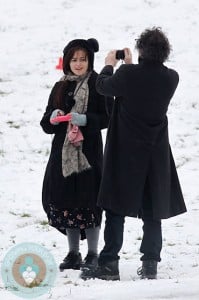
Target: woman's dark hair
(59,97)
(153,45)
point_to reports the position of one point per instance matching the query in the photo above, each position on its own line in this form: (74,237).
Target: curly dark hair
(153,45)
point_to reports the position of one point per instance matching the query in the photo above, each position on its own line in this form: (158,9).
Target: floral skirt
(81,218)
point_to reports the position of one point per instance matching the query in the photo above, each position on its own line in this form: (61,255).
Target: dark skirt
(81,218)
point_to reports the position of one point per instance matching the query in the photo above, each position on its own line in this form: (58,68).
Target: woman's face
(79,63)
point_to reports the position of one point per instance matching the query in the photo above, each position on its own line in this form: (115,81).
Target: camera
(120,54)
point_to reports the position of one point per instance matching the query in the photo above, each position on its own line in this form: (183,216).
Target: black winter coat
(77,190)
(138,163)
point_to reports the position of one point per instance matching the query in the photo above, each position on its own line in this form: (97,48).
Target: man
(139,176)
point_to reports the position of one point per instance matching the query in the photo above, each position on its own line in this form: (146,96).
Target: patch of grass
(25,215)
(13,125)
(2,153)
(171,244)
(13,213)
(47,152)
(44,222)
(2,93)
(195,265)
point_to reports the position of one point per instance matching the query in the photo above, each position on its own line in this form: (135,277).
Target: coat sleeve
(110,84)
(45,121)
(100,118)
(99,109)
(174,78)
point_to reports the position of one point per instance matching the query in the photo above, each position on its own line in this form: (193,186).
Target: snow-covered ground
(33,34)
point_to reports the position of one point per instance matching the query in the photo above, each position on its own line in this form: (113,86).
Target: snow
(33,35)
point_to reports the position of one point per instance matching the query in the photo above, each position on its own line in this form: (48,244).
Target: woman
(73,172)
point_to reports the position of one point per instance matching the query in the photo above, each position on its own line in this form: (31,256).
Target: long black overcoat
(77,190)
(138,162)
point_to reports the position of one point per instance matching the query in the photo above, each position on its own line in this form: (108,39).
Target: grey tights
(92,236)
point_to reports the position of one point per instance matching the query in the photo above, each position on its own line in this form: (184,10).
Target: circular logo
(28,270)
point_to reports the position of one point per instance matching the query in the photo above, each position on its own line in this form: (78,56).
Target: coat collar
(147,62)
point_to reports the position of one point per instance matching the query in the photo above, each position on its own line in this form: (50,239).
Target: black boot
(90,261)
(108,271)
(71,261)
(148,269)
(89,265)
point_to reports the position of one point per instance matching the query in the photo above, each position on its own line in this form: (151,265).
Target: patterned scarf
(73,159)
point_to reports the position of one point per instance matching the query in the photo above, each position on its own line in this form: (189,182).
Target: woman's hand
(56,113)
(78,119)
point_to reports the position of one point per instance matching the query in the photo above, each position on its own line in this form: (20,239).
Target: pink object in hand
(64,118)
(75,135)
